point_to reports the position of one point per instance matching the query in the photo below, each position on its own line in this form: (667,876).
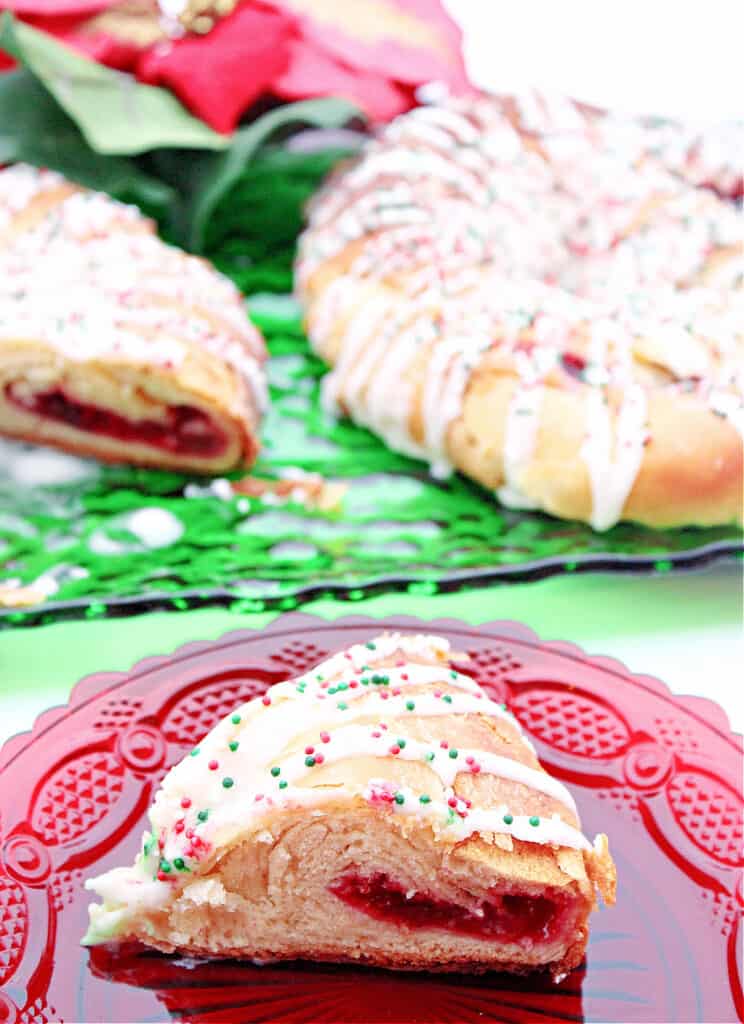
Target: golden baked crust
(112,343)
(542,300)
(310,822)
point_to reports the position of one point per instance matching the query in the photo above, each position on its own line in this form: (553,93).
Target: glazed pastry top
(87,276)
(569,248)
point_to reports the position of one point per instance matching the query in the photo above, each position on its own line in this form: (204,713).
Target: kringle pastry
(379,808)
(540,297)
(113,343)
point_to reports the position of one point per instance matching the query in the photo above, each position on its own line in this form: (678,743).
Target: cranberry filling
(185,430)
(504,917)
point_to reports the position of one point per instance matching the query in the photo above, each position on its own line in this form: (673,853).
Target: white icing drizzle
(551,830)
(476,231)
(613,468)
(356,741)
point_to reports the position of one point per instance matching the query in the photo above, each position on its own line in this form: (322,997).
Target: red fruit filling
(504,917)
(184,430)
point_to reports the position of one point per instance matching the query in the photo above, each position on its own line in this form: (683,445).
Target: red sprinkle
(213,766)
(376,733)
(470,760)
(162,877)
(452,802)
(353,684)
(404,676)
(475,769)
(395,749)
(189,833)
(325,685)
(396,692)
(319,759)
(309,750)
(266,700)
(185,803)
(258,796)
(325,737)
(179,826)
(437,693)
(444,744)
(383,726)
(384,695)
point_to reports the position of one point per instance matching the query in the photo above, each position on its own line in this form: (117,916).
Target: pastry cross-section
(543,299)
(380,808)
(114,344)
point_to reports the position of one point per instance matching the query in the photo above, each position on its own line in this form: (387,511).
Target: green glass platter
(114,540)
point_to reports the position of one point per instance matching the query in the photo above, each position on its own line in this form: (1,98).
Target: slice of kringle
(542,300)
(381,809)
(114,344)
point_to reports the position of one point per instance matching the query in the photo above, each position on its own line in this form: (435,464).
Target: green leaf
(217,174)
(35,130)
(115,113)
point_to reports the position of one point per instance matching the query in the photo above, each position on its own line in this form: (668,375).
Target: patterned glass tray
(118,540)
(661,774)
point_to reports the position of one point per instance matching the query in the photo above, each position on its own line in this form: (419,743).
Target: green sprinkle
(195,751)
(331,690)
(534,821)
(320,677)
(179,863)
(508,819)
(453,674)
(310,762)
(370,646)
(503,707)
(410,705)
(233,745)
(424,799)
(165,866)
(447,699)
(453,753)
(283,784)
(364,681)
(276,771)
(203,815)
(341,706)
(342,686)
(236,719)
(400,798)
(429,756)
(401,743)
(227,782)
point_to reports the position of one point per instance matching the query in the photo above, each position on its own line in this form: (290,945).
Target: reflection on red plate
(660,774)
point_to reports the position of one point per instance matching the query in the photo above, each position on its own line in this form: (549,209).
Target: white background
(680,58)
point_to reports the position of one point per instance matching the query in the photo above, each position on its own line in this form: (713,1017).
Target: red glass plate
(661,774)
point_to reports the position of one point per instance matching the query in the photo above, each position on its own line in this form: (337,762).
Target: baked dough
(540,297)
(113,343)
(379,808)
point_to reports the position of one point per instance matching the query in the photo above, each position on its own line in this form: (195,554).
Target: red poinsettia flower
(220,75)
(372,52)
